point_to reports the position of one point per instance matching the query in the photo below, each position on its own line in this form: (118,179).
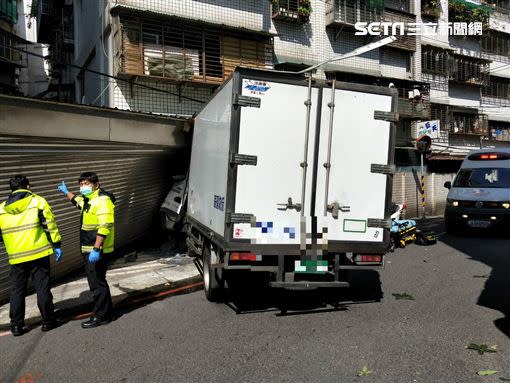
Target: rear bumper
(284,275)
(308,284)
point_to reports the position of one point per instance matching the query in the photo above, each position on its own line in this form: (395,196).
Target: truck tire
(213,285)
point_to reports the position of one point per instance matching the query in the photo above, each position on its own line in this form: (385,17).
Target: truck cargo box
(283,169)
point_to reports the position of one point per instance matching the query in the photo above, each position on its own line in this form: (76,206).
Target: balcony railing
(468,71)
(184,53)
(414,102)
(469,124)
(291,10)
(349,12)
(501,6)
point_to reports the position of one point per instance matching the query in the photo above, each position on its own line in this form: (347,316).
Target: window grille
(434,61)
(467,70)
(351,11)
(497,92)
(499,130)
(186,52)
(496,43)
(465,123)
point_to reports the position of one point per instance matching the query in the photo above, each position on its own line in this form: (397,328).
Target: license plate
(313,267)
(478,223)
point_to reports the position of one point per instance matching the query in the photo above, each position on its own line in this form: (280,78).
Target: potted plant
(431,8)
(458,12)
(304,9)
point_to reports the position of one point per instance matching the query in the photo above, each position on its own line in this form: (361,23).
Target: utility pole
(423,145)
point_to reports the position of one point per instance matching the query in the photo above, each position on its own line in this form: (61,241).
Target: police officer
(30,235)
(96,240)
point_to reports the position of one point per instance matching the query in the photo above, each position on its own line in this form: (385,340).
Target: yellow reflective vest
(28,227)
(97,218)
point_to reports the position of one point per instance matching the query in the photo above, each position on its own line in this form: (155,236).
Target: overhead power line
(109,76)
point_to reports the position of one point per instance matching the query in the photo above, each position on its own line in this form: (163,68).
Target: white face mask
(86,190)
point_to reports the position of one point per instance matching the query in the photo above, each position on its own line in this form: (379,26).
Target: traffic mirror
(423,144)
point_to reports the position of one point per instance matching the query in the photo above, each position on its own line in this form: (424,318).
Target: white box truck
(291,177)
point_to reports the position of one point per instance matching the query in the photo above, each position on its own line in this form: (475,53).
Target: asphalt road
(461,291)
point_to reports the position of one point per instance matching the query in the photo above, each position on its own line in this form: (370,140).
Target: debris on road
(487,372)
(403,296)
(364,371)
(178,259)
(482,348)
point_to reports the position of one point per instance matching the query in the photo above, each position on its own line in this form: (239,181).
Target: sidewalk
(134,275)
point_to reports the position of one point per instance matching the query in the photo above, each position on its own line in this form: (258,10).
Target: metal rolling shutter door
(138,175)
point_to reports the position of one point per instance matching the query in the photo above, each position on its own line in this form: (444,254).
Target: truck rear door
(354,193)
(345,206)
(275,133)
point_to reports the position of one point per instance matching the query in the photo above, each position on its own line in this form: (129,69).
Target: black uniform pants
(40,270)
(96,276)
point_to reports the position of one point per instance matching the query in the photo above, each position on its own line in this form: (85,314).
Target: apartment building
(469,76)
(10,56)
(23,70)
(168,56)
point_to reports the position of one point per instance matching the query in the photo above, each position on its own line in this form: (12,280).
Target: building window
(496,43)
(434,61)
(9,10)
(186,52)
(464,123)
(467,70)
(499,87)
(499,130)
(498,92)
(352,11)
(9,48)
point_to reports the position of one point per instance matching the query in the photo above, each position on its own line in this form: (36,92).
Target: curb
(122,301)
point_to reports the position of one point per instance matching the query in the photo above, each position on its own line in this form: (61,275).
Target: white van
(479,196)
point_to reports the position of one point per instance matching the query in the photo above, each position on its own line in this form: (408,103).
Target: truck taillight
(237,256)
(369,258)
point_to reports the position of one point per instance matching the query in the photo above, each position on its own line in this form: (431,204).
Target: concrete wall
(20,116)
(406,190)
(166,101)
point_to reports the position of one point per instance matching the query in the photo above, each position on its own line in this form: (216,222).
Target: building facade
(23,69)
(10,56)
(168,57)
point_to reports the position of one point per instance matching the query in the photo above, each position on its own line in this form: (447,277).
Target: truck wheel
(213,286)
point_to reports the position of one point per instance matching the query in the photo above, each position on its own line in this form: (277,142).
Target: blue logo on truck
(257,87)
(219,203)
